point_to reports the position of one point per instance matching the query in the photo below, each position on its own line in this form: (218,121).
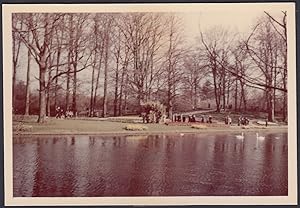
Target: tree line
(133,58)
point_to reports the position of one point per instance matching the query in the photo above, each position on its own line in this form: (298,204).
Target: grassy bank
(28,125)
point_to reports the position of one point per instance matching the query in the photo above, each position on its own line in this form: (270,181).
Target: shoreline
(147,132)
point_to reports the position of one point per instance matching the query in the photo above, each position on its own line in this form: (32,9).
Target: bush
(132,127)
(153,111)
(21,127)
(198,126)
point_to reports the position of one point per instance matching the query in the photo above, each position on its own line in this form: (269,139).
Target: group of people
(183,118)
(192,118)
(153,116)
(206,119)
(244,121)
(60,113)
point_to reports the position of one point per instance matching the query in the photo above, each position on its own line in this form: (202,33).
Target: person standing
(239,121)
(229,120)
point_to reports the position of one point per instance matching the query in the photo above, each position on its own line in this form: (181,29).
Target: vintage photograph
(169,100)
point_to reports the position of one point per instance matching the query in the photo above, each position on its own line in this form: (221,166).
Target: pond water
(154,165)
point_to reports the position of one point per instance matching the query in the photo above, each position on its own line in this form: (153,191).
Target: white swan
(181,134)
(240,136)
(277,137)
(259,137)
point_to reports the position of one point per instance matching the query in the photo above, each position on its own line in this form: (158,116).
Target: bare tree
(194,72)
(143,33)
(17,24)
(217,47)
(107,29)
(280,26)
(174,60)
(27,99)
(41,26)
(262,48)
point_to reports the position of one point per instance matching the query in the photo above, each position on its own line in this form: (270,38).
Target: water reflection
(157,165)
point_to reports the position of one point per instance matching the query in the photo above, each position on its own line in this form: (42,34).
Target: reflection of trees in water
(154,165)
(72,140)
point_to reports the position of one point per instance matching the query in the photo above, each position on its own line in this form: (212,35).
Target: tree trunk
(69,61)
(27,98)
(74,101)
(47,102)
(91,112)
(42,93)
(116,91)
(228,94)
(271,106)
(195,94)
(236,95)
(67,91)
(125,95)
(48,95)
(56,79)
(215,86)
(285,98)
(274,91)
(121,93)
(104,110)
(16,51)
(14,85)
(97,79)
(224,89)
(243,96)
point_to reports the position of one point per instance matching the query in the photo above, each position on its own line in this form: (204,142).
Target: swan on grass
(240,136)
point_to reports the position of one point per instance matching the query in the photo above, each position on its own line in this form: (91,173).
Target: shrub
(198,126)
(132,127)
(153,111)
(21,127)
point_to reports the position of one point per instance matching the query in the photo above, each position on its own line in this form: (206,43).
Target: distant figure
(246,121)
(57,112)
(208,105)
(226,120)
(209,119)
(240,121)
(202,119)
(179,118)
(143,114)
(183,119)
(193,118)
(229,120)
(266,122)
(61,114)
